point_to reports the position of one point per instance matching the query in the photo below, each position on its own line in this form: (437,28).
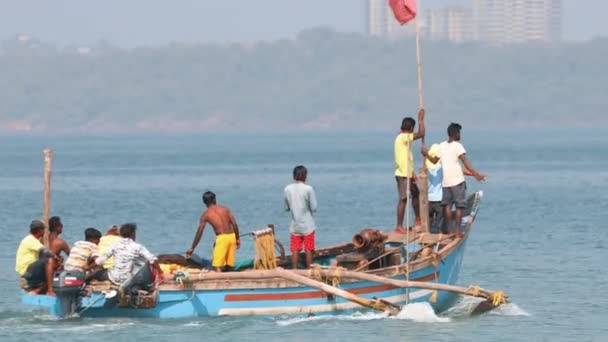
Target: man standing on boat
(404,167)
(226,231)
(301,202)
(34,263)
(452,154)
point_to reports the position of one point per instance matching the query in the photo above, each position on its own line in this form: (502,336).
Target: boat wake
(421,312)
(415,312)
(465,306)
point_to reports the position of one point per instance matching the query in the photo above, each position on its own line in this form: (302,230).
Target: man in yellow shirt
(35,263)
(404,167)
(112,236)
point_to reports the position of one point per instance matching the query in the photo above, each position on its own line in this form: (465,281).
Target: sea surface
(541,234)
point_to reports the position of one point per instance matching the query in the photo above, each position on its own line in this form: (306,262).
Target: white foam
(510,309)
(357,316)
(421,312)
(416,312)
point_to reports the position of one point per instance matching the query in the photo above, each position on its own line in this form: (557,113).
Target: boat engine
(68,286)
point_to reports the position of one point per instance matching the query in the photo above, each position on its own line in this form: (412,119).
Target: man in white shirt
(132,261)
(452,154)
(301,202)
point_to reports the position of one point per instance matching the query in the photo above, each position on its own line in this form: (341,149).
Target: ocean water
(540,235)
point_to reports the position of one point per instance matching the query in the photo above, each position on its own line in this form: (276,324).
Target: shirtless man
(226,232)
(57,244)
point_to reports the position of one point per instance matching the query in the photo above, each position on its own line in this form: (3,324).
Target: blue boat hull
(273,301)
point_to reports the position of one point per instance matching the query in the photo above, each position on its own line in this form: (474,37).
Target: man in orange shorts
(301,202)
(226,232)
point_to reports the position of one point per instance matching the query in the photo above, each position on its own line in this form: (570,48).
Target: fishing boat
(374,271)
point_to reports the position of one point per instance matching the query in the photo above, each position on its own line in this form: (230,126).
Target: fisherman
(435,191)
(112,236)
(83,251)
(226,231)
(301,202)
(57,244)
(34,263)
(133,263)
(404,167)
(452,154)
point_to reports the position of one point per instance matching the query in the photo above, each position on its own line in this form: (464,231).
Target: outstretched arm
(235,227)
(199,234)
(468,166)
(421,129)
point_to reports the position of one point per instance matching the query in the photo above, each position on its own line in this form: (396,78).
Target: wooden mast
(46,209)
(423,197)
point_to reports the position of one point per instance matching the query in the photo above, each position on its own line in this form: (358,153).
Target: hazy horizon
(155,22)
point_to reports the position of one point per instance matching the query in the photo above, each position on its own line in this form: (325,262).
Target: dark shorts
(455,195)
(402,188)
(436,211)
(35,275)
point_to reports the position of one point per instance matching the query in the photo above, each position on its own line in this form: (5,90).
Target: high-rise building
(450,23)
(517,21)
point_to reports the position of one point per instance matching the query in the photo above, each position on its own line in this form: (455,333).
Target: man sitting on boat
(83,251)
(133,263)
(34,263)
(301,202)
(56,243)
(404,167)
(226,231)
(112,236)
(452,154)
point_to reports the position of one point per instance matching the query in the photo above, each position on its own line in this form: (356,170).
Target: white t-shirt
(449,153)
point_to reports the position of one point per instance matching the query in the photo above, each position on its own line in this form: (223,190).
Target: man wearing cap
(34,262)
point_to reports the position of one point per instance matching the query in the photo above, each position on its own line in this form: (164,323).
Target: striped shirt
(129,256)
(79,255)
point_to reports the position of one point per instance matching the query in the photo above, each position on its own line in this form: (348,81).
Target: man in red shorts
(301,202)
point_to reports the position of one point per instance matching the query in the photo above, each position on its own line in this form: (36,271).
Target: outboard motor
(68,285)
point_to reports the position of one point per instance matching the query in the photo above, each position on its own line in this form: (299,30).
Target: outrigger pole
(46,209)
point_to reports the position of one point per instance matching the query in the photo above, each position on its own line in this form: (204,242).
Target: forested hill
(322,79)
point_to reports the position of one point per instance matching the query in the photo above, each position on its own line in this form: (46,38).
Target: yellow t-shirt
(104,243)
(27,253)
(404,159)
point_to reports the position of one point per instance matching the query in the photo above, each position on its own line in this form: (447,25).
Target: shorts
(455,195)
(402,188)
(298,242)
(436,211)
(224,250)
(35,275)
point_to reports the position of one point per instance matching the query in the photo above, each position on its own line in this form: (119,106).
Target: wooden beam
(372,304)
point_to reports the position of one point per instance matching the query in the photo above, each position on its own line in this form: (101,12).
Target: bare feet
(34,291)
(400,230)
(51,293)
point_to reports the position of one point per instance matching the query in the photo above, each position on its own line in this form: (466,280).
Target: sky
(155,22)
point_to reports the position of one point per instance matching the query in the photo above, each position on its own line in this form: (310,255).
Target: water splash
(510,309)
(421,312)
(357,316)
(465,306)
(416,312)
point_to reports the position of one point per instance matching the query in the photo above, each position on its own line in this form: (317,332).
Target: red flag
(404,10)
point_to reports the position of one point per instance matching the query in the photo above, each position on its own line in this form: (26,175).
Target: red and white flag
(404,10)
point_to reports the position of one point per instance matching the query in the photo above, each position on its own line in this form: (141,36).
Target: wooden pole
(372,304)
(423,197)
(46,210)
